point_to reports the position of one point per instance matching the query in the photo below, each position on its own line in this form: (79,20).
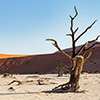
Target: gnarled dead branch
(85,30)
(83,48)
(19,82)
(56,45)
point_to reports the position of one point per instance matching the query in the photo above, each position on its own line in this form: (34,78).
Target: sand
(29,89)
(11,56)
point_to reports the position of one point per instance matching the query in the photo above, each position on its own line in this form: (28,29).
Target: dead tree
(61,68)
(77,58)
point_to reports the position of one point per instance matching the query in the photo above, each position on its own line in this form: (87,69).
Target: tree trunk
(73,83)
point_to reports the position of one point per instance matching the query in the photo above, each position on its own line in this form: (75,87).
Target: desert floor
(29,88)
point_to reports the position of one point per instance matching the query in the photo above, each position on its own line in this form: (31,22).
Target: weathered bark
(73,83)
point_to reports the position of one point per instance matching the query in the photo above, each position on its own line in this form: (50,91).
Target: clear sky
(25,24)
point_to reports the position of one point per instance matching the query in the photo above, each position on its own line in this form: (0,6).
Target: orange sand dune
(11,56)
(45,63)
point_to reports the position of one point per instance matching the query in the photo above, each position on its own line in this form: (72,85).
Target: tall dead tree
(78,57)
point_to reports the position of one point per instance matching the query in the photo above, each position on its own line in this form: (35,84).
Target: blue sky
(25,24)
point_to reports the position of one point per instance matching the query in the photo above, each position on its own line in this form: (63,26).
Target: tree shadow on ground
(81,91)
(18,93)
(48,92)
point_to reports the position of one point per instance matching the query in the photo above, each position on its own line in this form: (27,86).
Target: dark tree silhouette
(78,57)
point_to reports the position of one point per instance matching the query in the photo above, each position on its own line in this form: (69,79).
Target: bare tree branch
(92,46)
(73,32)
(87,58)
(68,34)
(94,39)
(92,62)
(72,18)
(56,45)
(62,64)
(75,14)
(85,30)
(90,53)
(76,30)
(83,48)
